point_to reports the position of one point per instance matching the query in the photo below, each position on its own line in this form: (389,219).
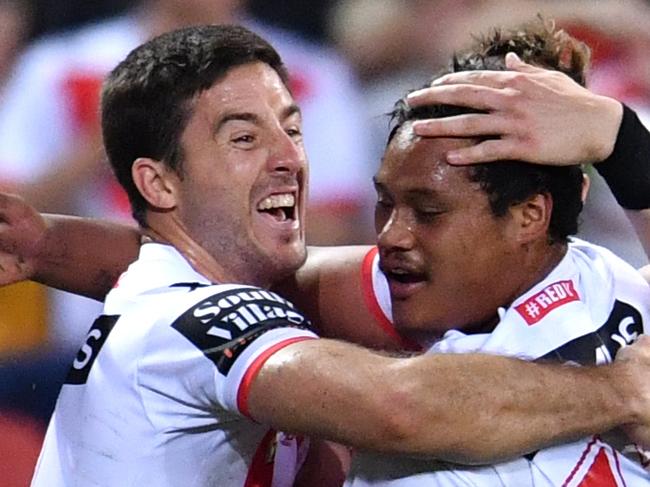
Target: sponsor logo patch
(552,296)
(222,326)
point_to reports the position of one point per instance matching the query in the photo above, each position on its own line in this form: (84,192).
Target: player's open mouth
(404,277)
(404,283)
(281,207)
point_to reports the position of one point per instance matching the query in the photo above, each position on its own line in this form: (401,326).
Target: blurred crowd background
(349,60)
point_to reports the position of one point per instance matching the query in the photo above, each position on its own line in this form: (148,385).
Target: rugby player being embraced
(181,378)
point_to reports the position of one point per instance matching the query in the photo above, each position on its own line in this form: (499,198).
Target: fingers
(11,269)
(515,63)
(493,79)
(639,350)
(5,202)
(486,151)
(10,206)
(465,95)
(467,125)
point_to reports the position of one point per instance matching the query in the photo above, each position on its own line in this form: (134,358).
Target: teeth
(399,271)
(286,200)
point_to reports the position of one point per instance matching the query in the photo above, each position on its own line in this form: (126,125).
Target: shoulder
(589,306)
(343,290)
(235,307)
(597,263)
(224,321)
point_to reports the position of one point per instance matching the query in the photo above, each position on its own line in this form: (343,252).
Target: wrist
(45,249)
(627,169)
(626,403)
(610,113)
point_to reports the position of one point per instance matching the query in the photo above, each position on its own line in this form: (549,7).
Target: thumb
(514,62)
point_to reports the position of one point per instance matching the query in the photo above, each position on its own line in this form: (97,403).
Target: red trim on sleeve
(254,368)
(373,305)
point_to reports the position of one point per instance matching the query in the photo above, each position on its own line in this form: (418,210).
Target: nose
(286,155)
(397,233)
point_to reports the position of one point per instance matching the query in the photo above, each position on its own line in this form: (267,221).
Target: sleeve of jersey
(376,295)
(237,330)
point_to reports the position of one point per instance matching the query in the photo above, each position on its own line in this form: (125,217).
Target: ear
(156,183)
(532,218)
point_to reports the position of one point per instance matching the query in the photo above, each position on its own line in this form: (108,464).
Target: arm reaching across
(462,408)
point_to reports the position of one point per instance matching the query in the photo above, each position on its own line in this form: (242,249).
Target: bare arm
(75,254)
(90,255)
(462,408)
(329,289)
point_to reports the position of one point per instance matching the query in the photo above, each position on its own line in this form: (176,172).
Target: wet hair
(508,183)
(148,98)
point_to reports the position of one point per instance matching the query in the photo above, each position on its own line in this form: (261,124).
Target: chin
(421,327)
(288,261)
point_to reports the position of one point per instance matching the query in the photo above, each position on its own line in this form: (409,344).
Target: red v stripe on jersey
(600,473)
(373,306)
(253,370)
(260,473)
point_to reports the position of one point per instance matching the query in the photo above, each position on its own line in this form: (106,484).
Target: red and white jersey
(584,311)
(157,395)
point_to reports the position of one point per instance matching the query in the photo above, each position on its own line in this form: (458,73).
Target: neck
(165,228)
(538,260)
(541,259)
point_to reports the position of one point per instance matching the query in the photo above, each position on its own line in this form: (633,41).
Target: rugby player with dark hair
(306,385)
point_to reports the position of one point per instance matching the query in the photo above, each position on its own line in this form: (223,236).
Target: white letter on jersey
(86,350)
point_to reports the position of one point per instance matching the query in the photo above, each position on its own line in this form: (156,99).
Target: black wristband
(627,169)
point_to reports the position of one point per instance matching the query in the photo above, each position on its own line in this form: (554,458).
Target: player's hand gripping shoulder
(541,116)
(636,360)
(22,235)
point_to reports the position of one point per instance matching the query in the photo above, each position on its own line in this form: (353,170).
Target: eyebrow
(417,193)
(253,117)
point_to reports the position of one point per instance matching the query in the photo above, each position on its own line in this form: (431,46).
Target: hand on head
(537,115)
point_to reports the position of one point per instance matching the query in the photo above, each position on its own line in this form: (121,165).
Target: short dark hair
(508,183)
(147,98)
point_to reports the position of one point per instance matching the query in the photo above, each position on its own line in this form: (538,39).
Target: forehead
(410,160)
(249,87)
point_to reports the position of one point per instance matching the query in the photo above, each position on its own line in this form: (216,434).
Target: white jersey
(158,393)
(587,308)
